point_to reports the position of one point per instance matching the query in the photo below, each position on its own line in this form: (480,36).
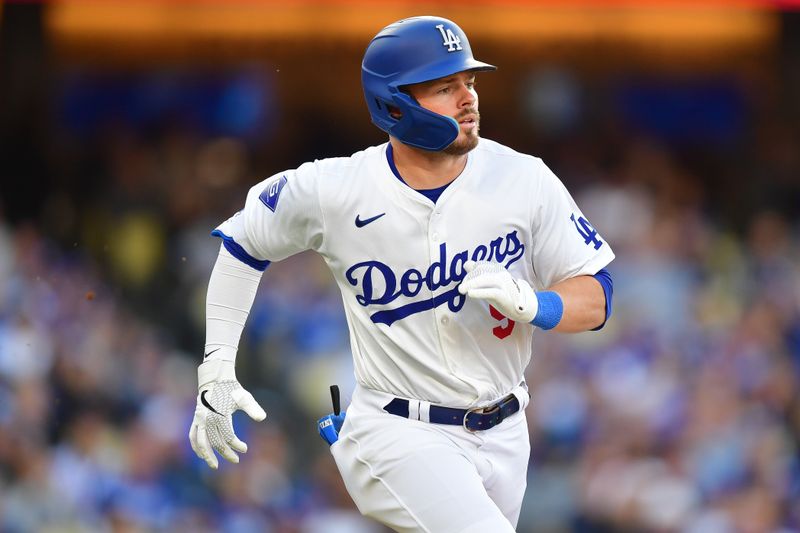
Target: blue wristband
(551,309)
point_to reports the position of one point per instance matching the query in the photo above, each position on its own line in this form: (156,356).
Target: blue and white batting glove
(492,282)
(329,427)
(220,394)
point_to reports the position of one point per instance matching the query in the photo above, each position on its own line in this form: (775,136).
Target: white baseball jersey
(398,259)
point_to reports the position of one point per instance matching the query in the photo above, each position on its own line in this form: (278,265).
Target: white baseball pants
(414,476)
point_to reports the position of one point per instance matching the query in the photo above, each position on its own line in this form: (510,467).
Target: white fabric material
(412,333)
(413,409)
(493,283)
(425,411)
(231,291)
(415,476)
(213,370)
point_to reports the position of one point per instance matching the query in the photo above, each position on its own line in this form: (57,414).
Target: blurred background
(129,130)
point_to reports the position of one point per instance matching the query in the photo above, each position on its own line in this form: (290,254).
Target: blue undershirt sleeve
(604,277)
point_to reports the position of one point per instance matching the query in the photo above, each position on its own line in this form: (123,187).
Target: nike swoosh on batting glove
(492,282)
(220,395)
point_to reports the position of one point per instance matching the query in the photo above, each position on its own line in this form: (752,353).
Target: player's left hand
(220,394)
(492,282)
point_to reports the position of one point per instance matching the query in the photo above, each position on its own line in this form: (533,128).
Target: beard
(466,143)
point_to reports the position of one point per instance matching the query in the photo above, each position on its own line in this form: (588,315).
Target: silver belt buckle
(464,422)
(486,410)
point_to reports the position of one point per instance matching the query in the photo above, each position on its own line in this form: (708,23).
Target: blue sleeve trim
(551,309)
(240,253)
(604,277)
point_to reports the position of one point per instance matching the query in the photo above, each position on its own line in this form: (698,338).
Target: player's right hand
(220,394)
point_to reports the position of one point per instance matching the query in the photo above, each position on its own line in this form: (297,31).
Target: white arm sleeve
(231,291)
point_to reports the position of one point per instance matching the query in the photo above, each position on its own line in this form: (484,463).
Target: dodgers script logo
(380,285)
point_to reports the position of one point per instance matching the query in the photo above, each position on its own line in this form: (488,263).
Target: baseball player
(450,251)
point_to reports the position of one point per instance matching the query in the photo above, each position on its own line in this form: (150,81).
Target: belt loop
(425,411)
(522,395)
(413,409)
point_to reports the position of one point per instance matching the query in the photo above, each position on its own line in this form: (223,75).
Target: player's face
(453,96)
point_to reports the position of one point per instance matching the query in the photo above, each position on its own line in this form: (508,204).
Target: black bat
(335,399)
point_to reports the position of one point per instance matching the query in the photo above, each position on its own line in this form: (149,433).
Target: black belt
(475,419)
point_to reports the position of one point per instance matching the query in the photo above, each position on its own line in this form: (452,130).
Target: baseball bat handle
(337,407)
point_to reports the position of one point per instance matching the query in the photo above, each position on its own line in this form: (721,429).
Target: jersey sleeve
(281,217)
(565,243)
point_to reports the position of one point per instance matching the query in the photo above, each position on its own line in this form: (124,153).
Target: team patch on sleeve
(586,231)
(272,192)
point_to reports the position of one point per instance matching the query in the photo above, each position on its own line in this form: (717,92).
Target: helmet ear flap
(420,127)
(381,104)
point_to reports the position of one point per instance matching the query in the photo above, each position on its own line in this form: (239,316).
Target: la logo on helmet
(449,39)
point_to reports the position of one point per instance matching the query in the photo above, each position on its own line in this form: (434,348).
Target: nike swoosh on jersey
(361,223)
(205,402)
(209,353)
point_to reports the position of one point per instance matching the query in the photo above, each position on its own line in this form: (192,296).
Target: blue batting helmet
(409,51)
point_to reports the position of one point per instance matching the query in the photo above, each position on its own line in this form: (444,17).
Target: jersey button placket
(444,320)
(435,233)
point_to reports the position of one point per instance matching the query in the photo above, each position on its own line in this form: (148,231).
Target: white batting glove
(492,282)
(220,394)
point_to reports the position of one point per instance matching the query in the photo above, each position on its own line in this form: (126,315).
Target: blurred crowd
(682,414)
(96,405)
